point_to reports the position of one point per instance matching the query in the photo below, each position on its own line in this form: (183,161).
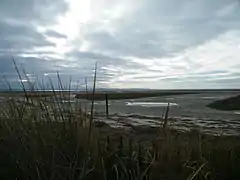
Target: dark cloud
(30,64)
(20,37)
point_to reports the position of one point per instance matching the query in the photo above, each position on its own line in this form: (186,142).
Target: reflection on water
(186,112)
(209,98)
(150,104)
(68,101)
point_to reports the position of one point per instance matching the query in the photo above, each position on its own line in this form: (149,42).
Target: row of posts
(165,116)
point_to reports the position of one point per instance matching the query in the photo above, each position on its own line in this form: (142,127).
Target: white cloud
(214,60)
(137,43)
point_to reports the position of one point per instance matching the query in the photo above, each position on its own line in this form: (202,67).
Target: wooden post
(166,116)
(106,96)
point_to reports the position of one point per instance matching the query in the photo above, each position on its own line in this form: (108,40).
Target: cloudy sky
(137,43)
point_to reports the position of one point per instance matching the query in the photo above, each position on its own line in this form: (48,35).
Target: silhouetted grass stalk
(47,140)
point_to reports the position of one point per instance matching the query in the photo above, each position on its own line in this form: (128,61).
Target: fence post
(106,97)
(166,116)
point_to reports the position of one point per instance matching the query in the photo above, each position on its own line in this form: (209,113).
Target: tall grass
(45,138)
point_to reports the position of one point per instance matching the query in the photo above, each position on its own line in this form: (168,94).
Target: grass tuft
(42,137)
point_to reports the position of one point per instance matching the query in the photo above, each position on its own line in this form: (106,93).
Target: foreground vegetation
(53,141)
(39,143)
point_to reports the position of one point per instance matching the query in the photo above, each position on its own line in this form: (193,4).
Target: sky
(157,44)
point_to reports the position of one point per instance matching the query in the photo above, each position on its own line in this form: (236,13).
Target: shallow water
(186,112)
(150,104)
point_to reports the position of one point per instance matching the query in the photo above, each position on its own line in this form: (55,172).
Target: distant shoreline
(116,94)
(119,90)
(126,95)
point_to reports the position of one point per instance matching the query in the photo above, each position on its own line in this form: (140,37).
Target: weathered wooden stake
(166,116)
(106,96)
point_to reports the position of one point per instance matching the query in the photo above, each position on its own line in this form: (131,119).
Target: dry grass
(41,140)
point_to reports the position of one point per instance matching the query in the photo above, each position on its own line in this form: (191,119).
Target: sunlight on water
(209,97)
(150,104)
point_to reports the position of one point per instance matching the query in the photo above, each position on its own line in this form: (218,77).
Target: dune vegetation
(54,141)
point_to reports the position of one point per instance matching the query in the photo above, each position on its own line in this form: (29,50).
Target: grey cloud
(157,29)
(213,72)
(88,55)
(92,57)
(161,28)
(19,21)
(128,43)
(84,62)
(32,10)
(55,34)
(30,64)
(40,68)
(88,59)
(20,37)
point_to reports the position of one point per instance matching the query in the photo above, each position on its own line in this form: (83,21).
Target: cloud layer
(137,44)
